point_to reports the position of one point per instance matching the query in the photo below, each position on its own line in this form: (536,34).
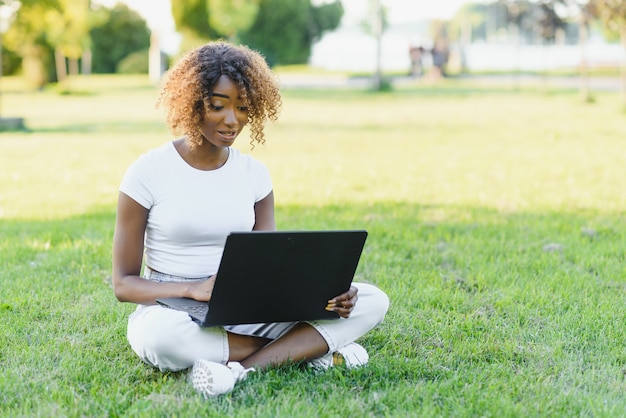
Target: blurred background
(47,41)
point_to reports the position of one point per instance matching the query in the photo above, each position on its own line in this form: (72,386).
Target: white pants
(170,340)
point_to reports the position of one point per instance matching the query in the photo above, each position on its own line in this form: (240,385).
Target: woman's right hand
(202,290)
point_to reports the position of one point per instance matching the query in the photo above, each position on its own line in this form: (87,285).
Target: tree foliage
(115,34)
(326,17)
(470,18)
(28,3)
(283,30)
(534,19)
(71,27)
(191,18)
(28,37)
(548,20)
(67,27)
(232,17)
(612,13)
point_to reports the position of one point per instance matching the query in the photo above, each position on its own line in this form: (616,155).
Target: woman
(178,202)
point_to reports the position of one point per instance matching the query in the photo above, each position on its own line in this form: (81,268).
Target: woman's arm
(128,285)
(264,214)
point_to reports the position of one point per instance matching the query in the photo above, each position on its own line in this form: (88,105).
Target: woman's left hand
(344,303)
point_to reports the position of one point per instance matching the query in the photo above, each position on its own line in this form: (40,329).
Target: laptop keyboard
(197,310)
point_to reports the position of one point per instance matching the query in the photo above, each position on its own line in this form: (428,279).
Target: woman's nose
(230,118)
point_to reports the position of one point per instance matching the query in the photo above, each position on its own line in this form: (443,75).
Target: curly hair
(188,86)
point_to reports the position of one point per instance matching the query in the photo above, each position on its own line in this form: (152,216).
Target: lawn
(497,227)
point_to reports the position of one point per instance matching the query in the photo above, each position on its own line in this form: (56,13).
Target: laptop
(277,276)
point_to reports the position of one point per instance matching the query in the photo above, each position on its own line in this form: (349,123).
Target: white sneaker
(213,379)
(352,355)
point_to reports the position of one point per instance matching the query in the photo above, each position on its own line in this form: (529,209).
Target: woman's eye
(216,107)
(243,108)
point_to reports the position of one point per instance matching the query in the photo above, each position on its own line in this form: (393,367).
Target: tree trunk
(73,66)
(623,67)
(154,57)
(585,92)
(33,65)
(378,34)
(0,74)
(86,62)
(61,66)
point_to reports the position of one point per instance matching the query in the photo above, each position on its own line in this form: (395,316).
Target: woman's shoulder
(245,160)
(156,156)
(254,170)
(165,150)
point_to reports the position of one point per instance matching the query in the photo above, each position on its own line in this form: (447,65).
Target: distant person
(441,55)
(178,202)
(416,54)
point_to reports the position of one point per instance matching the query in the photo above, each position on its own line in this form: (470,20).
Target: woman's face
(226,116)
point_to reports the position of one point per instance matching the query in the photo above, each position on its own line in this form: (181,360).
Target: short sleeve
(262,181)
(136,183)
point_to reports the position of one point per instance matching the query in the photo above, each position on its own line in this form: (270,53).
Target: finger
(342,303)
(344,312)
(344,296)
(336,306)
(337,301)
(346,300)
(343,309)
(339,310)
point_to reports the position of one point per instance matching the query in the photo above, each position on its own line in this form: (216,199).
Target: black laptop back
(279,276)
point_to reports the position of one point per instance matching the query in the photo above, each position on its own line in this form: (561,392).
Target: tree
(191,18)
(63,29)
(68,34)
(325,17)
(585,18)
(232,17)
(284,31)
(7,14)
(281,31)
(116,33)
(470,21)
(549,22)
(531,20)
(613,15)
(9,60)
(27,36)
(375,24)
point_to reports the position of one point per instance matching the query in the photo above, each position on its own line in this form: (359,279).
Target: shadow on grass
(475,294)
(113,127)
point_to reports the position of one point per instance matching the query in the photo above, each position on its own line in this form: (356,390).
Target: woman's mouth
(228,135)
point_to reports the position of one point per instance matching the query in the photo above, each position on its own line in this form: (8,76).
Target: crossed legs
(169,340)
(302,342)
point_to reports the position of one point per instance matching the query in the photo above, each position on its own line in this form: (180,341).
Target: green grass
(497,227)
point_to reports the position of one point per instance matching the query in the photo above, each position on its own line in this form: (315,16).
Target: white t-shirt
(192,211)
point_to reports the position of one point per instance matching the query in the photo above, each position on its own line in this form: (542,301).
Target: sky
(158,13)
